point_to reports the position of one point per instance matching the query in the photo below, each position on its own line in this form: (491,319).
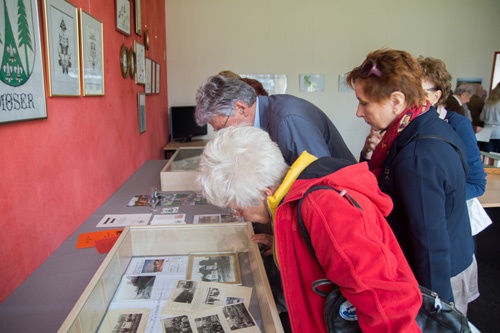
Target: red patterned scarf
(392,132)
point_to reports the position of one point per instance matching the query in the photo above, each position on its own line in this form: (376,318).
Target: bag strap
(302,227)
(437,137)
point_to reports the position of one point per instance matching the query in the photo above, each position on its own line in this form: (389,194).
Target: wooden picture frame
(124,61)
(123,16)
(495,72)
(22,74)
(63,51)
(141,111)
(131,63)
(147,87)
(138,18)
(92,45)
(140,63)
(214,267)
(157,78)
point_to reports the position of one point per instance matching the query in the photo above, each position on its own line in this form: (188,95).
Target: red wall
(56,172)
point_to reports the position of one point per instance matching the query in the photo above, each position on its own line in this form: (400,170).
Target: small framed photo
(91,42)
(124,61)
(147,87)
(61,26)
(153,82)
(157,78)
(138,18)
(141,111)
(214,267)
(140,57)
(131,58)
(123,16)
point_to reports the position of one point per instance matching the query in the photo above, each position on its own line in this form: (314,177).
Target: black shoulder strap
(302,227)
(437,137)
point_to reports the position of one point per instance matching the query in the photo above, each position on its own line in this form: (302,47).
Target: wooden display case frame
(90,309)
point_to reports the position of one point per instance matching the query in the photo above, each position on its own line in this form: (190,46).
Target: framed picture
(61,26)
(141,111)
(21,73)
(157,78)
(140,65)
(495,72)
(216,267)
(153,70)
(123,16)
(91,42)
(138,18)
(131,58)
(147,87)
(124,61)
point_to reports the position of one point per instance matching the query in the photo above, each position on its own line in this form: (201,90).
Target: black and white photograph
(210,324)
(184,291)
(136,287)
(237,316)
(124,321)
(61,26)
(177,325)
(223,268)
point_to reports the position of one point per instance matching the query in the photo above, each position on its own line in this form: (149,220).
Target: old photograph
(222,268)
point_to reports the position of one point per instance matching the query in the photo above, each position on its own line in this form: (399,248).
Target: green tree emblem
(13,71)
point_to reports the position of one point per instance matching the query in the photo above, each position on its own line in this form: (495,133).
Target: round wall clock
(124,63)
(131,63)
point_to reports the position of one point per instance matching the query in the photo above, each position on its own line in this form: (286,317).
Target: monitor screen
(183,126)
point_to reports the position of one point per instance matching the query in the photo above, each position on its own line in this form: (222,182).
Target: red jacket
(356,249)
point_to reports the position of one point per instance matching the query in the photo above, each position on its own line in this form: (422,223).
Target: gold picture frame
(214,267)
(131,63)
(124,61)
(63,49)
(91,44)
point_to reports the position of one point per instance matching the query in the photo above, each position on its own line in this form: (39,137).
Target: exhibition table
(43,301)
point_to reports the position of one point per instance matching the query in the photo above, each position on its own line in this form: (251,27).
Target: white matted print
(22,87)
(140,58)
(63,53)
(92,55)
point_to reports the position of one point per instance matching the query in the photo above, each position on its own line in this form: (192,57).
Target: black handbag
(436,315)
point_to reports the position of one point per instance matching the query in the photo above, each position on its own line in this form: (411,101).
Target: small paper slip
(169,219)
(87,239)
(170,210)
(105,245)
(122,220)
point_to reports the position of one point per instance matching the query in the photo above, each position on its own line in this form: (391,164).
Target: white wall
(327,37)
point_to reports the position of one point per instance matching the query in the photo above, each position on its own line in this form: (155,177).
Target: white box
(179,173)
(91,308)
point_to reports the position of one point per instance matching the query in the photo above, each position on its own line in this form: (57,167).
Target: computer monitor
(183,126)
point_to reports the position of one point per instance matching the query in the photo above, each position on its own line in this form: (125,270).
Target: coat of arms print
(22,92)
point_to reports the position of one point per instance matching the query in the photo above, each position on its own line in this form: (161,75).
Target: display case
(179,173)
(88,313)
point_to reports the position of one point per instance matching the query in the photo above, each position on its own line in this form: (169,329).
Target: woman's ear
(398,102)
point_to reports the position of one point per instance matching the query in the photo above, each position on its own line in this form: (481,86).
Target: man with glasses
(293,123)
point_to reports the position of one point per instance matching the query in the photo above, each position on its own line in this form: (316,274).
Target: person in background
(461,96)
(437,85)
(293,123)
(475,107)
(243,169)
(491,117)
(425,177)
(259,88)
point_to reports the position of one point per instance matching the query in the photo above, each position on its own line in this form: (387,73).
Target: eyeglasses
(225,123)
(431,89)
(368,68)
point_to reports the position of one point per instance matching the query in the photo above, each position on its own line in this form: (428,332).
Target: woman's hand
(371,142)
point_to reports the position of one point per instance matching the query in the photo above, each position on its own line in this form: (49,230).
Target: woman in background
(491,117)
(424,176)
